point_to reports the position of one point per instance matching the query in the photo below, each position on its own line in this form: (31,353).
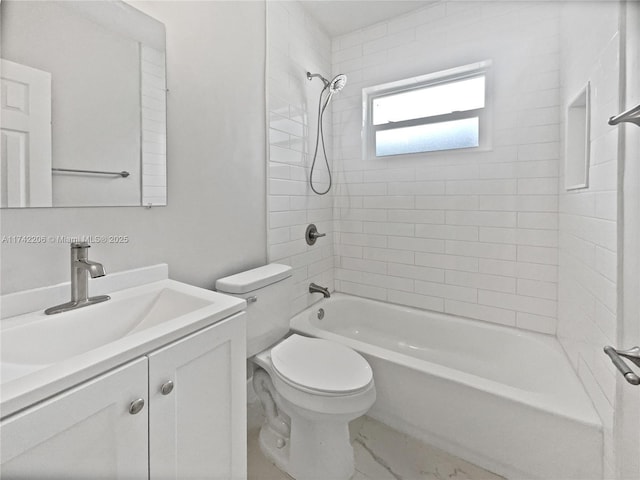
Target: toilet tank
(268,291)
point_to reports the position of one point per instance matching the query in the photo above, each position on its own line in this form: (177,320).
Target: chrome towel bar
(632,115)
(123,174)
(632,354)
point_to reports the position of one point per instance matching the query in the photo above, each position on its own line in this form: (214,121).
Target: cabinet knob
(166,388)
(136,406)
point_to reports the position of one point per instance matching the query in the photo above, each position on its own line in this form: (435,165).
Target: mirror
(83,105)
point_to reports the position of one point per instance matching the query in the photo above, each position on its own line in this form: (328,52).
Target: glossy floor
(382,453)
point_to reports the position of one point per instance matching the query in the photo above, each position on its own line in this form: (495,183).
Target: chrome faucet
(81,269)
(313,288)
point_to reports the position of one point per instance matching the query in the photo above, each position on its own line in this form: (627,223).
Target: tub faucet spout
(313,288)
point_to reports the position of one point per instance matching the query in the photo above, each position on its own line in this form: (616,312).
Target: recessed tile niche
(576,162)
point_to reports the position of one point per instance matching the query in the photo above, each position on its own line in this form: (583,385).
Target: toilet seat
(319,366)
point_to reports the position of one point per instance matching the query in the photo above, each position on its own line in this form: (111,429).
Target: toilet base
(274,446)
(314,451)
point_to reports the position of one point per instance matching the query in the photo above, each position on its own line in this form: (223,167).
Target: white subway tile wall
(587,292)
(297,44)
(153,90)
(489,235)
(467,233)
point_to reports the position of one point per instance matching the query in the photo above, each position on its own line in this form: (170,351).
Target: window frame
(369,94)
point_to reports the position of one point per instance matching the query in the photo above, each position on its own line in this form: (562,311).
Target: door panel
(86,432)
(198,429)
(25,136)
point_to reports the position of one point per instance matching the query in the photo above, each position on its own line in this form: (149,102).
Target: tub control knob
(136,406)
(166,388)
(311,234)
(280,443)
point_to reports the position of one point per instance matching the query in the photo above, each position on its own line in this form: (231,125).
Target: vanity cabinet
(84,432)
(191,424)
(197,423)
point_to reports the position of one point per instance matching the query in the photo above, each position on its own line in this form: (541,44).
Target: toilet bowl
(318,387)
(310,388)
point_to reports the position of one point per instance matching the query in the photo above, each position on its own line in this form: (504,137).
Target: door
(197,423)
(25,110)
(86,432)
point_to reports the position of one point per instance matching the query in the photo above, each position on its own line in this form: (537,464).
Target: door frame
(627,411)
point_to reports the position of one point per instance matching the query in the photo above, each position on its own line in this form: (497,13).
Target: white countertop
(25,383)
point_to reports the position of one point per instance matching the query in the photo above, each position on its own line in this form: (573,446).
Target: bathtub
(502,398)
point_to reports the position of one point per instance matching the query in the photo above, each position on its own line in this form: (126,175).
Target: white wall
(296,44)
(588,290)
(215,153)
(472,234)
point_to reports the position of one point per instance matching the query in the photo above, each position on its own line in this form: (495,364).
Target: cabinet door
(198,429)
(85,432)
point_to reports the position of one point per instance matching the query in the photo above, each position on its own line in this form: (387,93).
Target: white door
(86,432)
(197,429)
(25,141)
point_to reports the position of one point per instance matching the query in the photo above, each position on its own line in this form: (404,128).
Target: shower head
(338,83)
(335,85)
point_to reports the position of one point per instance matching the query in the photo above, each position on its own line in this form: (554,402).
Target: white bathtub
(502,398)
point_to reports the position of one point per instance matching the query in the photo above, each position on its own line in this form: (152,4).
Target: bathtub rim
(584,413)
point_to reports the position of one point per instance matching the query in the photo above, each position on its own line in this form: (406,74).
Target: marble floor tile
(381,453)
(370,465)
(355,426)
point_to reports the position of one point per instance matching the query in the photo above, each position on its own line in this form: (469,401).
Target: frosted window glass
(461,95)
(428,138)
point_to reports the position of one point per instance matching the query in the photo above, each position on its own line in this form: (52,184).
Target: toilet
(310,388)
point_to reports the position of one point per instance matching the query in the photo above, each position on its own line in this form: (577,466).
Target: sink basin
(44,353)
(48,339)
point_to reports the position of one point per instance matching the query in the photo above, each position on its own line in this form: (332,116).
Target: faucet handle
(80,245)
(311,234)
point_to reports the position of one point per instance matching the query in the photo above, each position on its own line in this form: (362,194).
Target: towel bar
(632,115)
(122,174)
(632,354)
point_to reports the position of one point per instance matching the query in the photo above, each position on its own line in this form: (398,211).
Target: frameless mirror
(83,105)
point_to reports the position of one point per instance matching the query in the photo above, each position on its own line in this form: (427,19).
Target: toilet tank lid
(253,279)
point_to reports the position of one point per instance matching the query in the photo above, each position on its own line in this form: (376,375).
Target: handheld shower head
(338,83)
(335,85)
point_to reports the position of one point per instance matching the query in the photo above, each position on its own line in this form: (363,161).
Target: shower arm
(312,75)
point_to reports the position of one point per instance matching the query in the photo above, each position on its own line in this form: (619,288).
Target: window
(445,110)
